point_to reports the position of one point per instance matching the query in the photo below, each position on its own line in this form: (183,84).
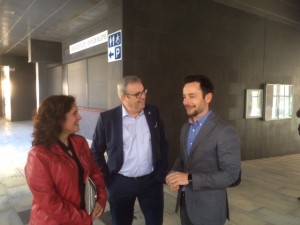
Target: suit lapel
(205,130)
(185,134)
(118,126)
(150,119)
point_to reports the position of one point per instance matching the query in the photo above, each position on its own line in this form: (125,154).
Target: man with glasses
(133,137)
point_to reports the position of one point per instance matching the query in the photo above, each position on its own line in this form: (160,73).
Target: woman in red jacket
(58,166)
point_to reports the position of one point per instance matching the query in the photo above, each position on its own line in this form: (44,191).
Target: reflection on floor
(267,195)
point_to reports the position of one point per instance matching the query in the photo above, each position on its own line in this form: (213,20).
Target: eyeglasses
(139,94)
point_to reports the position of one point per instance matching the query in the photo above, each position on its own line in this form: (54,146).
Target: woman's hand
(98,211)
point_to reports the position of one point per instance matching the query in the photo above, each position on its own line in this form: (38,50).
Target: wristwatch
(190,177)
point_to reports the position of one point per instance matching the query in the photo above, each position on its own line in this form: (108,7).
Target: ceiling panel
(51,20)
(284,11)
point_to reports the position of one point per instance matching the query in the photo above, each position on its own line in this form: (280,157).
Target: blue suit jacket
(108,137)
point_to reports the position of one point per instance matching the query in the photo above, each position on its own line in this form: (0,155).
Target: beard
(193,113)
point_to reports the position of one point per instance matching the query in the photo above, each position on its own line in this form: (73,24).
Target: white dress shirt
(136,146)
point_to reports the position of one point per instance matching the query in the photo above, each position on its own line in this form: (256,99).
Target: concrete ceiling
(51,20)
(283,11)
(59,20)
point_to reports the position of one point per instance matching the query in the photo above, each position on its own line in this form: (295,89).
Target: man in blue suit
(133,137)
(210,158)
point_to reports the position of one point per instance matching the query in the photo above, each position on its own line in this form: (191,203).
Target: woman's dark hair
(48,120)
(205,84)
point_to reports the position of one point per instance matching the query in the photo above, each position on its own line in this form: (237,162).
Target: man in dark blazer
(133,137)
(209,159)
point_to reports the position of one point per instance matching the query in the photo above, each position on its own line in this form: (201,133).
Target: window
(279,101)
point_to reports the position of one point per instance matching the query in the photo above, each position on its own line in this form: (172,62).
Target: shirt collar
(125,113)
(201,120)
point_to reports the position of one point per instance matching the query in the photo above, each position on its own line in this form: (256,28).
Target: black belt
(137,178)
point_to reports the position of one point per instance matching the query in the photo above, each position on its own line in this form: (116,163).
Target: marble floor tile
(10,218)
(20,197)
(275,218)
(240,217)
(5,203)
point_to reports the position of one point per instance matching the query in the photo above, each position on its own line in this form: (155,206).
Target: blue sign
(114,44)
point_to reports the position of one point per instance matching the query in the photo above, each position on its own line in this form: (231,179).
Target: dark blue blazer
(108,137)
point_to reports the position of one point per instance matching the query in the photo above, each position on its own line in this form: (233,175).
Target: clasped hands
(175,179)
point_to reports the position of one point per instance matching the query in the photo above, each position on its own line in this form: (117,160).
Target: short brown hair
(204,82)
(48,120)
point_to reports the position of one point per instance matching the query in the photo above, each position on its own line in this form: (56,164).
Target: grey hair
(122,85)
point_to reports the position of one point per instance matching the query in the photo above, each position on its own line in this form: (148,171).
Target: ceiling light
(9,12)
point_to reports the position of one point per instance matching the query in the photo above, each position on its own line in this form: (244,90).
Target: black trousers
(122,193)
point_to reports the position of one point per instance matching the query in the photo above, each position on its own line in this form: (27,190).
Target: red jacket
(52,177)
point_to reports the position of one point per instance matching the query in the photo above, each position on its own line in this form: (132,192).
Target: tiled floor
(267,195)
